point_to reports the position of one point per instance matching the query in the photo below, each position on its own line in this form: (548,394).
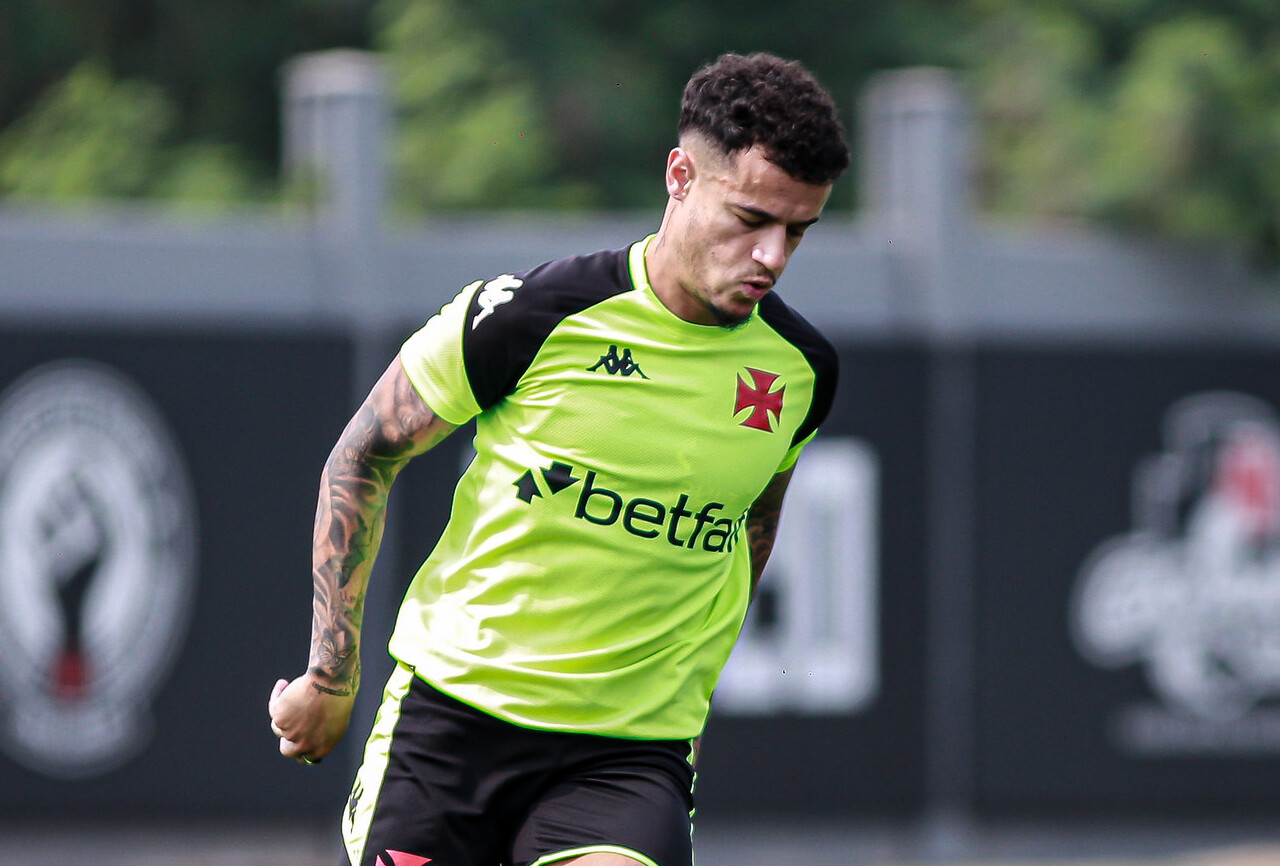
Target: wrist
(337,686)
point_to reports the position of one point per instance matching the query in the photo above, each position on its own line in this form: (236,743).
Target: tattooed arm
(762,523)
(762,529)
(310,714)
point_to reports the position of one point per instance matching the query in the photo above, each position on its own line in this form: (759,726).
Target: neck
(659,263)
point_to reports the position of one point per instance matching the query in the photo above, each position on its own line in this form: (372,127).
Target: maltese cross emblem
(758,397)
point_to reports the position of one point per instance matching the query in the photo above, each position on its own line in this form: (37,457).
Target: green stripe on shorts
(594,849)
(377,750)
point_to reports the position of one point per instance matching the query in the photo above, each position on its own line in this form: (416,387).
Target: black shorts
(444,781)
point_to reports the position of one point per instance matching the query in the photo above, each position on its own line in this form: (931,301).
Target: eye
(750,221)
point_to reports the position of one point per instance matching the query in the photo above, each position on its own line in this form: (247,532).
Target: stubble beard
(728,320)
(722,317)
(703,266)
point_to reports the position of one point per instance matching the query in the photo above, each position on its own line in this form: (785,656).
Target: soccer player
(638,413)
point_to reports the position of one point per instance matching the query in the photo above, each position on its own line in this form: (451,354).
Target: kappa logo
(618,365)
(759,399)
(639,516)
(495,293)
(353,802)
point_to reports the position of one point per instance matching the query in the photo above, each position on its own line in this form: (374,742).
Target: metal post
(917,186)
(335,131)
(336,128)
(916,175)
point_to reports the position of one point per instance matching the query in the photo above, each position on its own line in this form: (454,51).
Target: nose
(770,250)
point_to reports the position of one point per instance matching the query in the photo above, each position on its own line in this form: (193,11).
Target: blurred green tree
(88,136)
(208,69)
(1159,116)
(469,131)
(594,88)
(610,75)
(91,136)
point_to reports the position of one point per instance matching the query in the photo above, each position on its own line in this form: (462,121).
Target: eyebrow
(768,217)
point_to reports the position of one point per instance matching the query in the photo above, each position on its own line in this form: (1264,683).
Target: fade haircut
(741,101)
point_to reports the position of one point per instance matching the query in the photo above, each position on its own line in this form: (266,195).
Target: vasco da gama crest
(97,566)
(1192,592)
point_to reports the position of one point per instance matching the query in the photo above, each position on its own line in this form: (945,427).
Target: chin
(730,318)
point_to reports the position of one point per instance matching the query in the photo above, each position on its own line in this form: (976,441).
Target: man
(638,413)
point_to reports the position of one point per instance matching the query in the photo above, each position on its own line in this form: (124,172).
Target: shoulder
(818,353)
(587,273)
(797,330)
(540,297)
(510,316)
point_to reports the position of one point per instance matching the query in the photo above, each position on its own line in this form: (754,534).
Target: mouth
(755,289)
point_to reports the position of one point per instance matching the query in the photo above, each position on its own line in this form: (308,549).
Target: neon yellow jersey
(595,570)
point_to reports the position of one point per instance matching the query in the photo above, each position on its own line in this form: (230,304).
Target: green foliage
(204,74)
(203,175)
(609,76)
(87,137)
(1032,82)
(93,137)
(1176,149)
(468,131)
(1159,116)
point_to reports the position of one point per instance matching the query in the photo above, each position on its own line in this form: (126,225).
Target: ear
(680,173)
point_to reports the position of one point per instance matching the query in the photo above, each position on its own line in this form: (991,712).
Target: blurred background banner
(1128,506)
(1029,567)
(156,498)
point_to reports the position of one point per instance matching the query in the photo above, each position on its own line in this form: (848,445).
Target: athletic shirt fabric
(595,570)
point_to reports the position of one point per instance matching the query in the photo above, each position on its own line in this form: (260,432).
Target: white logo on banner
(810,641)
(1193,592)
(97,567)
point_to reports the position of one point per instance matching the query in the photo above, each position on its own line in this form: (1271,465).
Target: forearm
(762,524)
(390,428)
(350,517)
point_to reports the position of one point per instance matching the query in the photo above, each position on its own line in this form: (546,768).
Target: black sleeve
(511,316)
(816,349)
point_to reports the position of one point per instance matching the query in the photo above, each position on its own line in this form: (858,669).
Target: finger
(276,690)
(275,729)
(290,749)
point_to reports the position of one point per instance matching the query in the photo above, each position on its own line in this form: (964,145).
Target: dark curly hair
(740,101)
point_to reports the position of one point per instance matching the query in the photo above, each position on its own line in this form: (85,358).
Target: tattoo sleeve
(762,524)
(392,426)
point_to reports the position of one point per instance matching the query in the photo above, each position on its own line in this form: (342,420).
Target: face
(733,223)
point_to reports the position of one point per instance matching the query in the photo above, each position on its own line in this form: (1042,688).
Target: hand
(308,718)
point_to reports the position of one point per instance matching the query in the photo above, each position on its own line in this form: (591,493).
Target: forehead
(748,179)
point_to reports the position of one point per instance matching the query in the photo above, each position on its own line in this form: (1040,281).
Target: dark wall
(1125,522)
(1129,590)
(252,419)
